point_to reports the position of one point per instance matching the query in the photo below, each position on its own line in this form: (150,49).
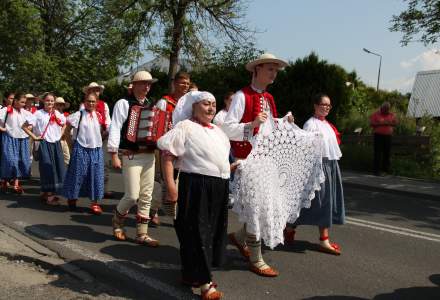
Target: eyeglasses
(329,106)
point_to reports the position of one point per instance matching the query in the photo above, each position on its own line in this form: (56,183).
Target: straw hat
(143,76)
(30,96)
(265,58)
(60,100)
(91,86)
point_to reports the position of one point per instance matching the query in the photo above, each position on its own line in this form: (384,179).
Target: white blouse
(106,112)
(41,121)
(331,148)
(89,131)
(200,149)
(120,115)
(219,118)
(14,122)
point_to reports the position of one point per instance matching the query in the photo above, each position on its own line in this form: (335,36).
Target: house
(425,96)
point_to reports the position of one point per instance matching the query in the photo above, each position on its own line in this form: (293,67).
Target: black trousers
(382,153)
(201,225)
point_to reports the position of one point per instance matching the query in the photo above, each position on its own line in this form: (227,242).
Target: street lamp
(380,64)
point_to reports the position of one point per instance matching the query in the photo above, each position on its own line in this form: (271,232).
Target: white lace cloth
(277,179)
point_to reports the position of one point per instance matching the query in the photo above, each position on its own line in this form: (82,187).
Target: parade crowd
(194,162)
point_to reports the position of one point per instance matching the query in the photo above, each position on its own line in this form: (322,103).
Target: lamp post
(380,64)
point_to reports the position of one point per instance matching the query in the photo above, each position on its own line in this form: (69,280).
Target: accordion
(147,124)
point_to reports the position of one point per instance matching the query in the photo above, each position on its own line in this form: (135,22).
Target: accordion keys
(147,125)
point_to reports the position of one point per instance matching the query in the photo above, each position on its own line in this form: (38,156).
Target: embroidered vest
(124,143)
(254,104)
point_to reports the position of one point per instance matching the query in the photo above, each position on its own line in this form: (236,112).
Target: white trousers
(138,174)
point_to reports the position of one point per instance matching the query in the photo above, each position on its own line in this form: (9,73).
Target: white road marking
(393,229)
(116,265)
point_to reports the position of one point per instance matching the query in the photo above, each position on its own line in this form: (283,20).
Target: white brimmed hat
(93,85)
(143,76)
(30,96)
(265,58)
(60,100)
(183,109)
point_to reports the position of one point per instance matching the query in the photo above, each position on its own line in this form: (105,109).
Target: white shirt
(200,149)
(89,131)
(14,122)
(120,115)
(106,112)
(220,117)
(331,148)
(41,121)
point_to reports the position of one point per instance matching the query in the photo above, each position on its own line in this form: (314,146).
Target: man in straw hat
(30,103)
(138,164)
(250,107)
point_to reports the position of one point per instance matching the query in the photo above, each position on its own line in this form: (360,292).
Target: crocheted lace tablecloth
(277,179)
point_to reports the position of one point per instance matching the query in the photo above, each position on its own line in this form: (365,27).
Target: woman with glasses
(328,206)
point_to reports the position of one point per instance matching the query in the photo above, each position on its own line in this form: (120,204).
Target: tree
(174,27)
(420,22)
(55,45)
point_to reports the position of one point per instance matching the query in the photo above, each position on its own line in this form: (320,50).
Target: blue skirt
(51,166)
(327,207)
(15,159)
(85,174)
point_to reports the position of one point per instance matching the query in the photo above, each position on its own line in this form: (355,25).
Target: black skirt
(201,225)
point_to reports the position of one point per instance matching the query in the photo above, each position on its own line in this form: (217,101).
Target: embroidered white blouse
(41,121)
(331,148)
(106,112)
(120,115)
(89,131)
(200,149)
(15,120)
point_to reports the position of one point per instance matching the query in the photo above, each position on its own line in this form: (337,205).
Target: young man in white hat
(138,163)
(250,107)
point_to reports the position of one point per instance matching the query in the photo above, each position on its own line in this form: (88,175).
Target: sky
(337,30)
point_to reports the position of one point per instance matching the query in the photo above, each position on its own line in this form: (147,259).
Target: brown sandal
(268,272)
(334,250)
(214,295)
(146,240)
(119,234)
(53,200)
(244,250)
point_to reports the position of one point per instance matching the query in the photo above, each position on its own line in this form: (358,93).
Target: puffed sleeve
(61,116)
(73,119)
(2,116)
(174,140)
(31,119)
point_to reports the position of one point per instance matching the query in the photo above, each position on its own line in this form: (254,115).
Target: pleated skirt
(201,225)
(15,157)
(327,207)
(85,174)
(51,166)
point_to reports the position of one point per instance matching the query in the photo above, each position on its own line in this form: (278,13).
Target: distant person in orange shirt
(383,122)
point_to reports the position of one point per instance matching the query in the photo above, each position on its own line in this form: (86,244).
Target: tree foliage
(420,22)
(55,45)
(174,27)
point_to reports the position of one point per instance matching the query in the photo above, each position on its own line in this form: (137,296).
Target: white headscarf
(183,109)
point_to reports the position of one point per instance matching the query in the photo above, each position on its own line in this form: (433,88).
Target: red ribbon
(10,109)
(54,119)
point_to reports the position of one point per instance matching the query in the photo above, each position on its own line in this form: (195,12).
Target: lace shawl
(277,179)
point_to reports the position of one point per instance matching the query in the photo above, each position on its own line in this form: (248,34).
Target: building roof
(158,63)
(425,96)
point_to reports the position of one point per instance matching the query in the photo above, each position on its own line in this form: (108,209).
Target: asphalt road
(390,244)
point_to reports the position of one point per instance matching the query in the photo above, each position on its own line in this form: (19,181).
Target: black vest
(124,143)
